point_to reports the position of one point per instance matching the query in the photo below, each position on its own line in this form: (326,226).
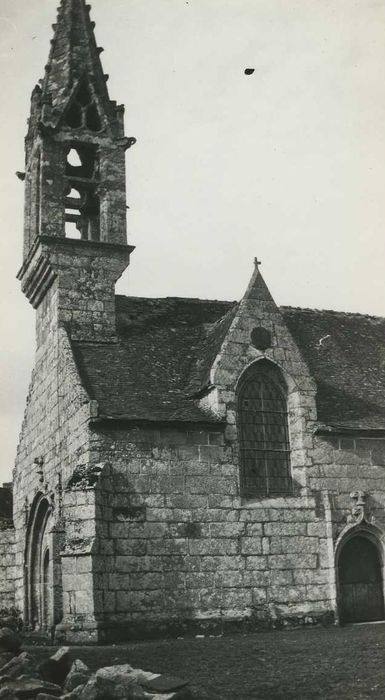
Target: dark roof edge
(196,300)
(232,302)
(306,309)
(129,420)
(326,430)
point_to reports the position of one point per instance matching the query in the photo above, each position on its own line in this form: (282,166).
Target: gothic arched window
(263,432)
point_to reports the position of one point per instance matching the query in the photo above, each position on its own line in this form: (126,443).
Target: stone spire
(71,111)
(75,178)
(74,58)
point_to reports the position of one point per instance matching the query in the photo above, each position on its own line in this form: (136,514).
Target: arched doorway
(360,579)
(38,584)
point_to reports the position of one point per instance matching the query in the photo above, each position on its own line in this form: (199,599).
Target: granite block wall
(176,545)
(345,465)
(53,434)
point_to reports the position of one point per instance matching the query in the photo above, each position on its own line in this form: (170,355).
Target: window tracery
(263,432)
(83,111)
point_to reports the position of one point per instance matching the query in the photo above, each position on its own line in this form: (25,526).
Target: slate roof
(345,354)
(167,346)
(146,376)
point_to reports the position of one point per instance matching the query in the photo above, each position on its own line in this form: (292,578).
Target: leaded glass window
(263,432)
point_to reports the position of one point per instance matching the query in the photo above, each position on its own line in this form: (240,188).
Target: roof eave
(357,431)
(134,421)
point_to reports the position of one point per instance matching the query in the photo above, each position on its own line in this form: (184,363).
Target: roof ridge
(168,298)
(330,311)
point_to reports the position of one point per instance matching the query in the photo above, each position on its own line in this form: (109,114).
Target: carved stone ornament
(261,338)
(359,512)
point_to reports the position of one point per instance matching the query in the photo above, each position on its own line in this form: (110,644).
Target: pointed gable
(258,330)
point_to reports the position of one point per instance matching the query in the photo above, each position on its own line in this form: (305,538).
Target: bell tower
(75,237)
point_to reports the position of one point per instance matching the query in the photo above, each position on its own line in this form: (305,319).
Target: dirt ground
(329,663)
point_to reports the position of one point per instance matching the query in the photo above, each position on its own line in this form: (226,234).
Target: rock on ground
(22,665)
(5,658)
(56,668)
(122,681)
(182,694)
(79,674)
(25,688)
(114,683)
(74,694)
(9,640)
(22,679)
(11,622)
(5,695)
(10,617)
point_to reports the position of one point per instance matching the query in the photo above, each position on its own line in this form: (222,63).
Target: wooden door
(360,582)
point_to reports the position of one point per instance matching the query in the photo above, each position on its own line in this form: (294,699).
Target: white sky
(287,164)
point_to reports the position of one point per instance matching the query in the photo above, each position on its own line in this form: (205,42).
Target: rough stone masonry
(183,464)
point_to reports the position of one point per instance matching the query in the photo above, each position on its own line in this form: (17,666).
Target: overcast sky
(287,164)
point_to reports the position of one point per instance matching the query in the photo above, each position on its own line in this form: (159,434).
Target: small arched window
(263,432)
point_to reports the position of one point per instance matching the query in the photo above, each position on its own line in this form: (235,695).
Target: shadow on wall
(146,589)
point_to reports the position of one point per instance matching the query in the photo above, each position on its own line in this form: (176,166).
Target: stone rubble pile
(23,677)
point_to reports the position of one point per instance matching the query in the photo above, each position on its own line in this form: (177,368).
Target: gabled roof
(166,348)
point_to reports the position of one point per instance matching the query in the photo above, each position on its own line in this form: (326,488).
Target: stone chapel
(183,464)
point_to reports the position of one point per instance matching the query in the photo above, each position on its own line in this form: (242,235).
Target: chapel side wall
(54,428)
(179,544)
(343,465)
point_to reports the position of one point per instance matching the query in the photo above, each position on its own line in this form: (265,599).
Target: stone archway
(360,579)
(38,566)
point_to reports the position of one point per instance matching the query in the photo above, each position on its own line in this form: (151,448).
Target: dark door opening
(46,592)
(361,596)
